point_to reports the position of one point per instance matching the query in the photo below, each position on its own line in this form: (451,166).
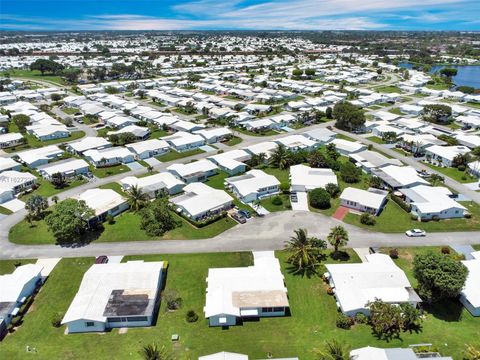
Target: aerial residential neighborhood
(240,180)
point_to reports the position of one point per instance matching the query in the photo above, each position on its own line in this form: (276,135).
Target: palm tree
(136,198)
(304,251)
(333,351)
(153,352)
(338,237)
(150,169)
(281,157)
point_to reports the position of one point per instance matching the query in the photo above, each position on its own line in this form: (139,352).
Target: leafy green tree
(69,220)
(71,75)
(281,158)
(22,121)
(449,72)
(461,160)
(46,66)
(310,72)
(333,350)
(304,251)
(436,113)
(329,113)
(136,198)
(56,97)
(350,173)
(439,276)
(332,189)
(317,160)
(385,319)
(153,352)
(411,317)
(348,116)
(376,182)
(156,218)
(332,152)
(297,72)
(36,205)
(338,237)
(58,180)
(319,198)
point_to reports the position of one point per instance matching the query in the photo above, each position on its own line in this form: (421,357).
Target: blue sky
(240,14)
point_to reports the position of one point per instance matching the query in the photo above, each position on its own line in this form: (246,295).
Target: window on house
(89,323)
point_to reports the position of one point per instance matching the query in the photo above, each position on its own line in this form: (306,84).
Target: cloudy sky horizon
(240,15)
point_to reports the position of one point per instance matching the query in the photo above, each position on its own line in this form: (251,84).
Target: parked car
(239,218)
(415,233)
(245,213)
(102,259)
(293,197)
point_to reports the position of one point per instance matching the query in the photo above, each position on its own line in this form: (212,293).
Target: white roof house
(224,356)
(346,147)
(297,142)
(430,202)
(371,201)
(305,178)
(253,185)
(187,126)
(148,148)
(195,171)
(321,135)
(16,181)
(232,162)
(152,184)
(10,139)
(470,295)
(68,167)
(109,156)
(266,147)
(368,160)
(372,353)
(377,278)
(103,201)
(200,200)
(213,135)
(253,291)
(15,288)
(140,132)
(184,141)
(444,155)
(8,164)
(88,143)
(115,295)
(36,157)
(399,176)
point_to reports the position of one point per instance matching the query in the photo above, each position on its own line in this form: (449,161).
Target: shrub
(467,216)
(57,320)
(172,300)
(344,322)
(191,316)
(333,189)
(367,219)
(461,167)
(393,253)
(445,250)
(109,219)
(361,318)
(350,173)
(401,203)
(319,198)
(277,201)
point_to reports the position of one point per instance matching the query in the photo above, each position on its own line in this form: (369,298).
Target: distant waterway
(467,75)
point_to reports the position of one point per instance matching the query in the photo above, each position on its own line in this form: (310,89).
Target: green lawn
(396,111)
(109,171)
(235,140)
(312,320)
(217,181)
(113,186)
(376,139)
(394,219)
(70,111)
(475,105)
(158,133)
(344,137)
(388,89)
(282,175)
(175,155)
(454,173)
(125,228)
(269,132)
(438,86)
(5,211)
(8,266)
(46,188)
(34,75)
(268,204)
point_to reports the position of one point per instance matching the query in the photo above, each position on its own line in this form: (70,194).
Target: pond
(468,75)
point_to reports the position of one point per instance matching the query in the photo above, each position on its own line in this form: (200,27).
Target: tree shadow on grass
(340,256)
(83,239)
(447,310)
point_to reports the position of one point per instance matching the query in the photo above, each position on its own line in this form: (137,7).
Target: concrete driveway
(302,202)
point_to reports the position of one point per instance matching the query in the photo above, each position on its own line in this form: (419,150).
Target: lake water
(466,76)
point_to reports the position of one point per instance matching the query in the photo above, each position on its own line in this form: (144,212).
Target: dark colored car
(102,259)
(239,218)
(245,213)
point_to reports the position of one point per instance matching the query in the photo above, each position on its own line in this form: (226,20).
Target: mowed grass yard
(453,173)
(125,228)
(312,320)
(394,219)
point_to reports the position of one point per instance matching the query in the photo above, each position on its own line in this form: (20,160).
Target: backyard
(175,155)
(312,320)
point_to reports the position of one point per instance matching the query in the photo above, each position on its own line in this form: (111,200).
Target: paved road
(266,233)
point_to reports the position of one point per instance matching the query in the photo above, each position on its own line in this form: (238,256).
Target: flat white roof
(161,180)
(252,181)
(311,178)
(101,200)
(63,167)
(88,143)
(471,290)
(11,285)
(189,169)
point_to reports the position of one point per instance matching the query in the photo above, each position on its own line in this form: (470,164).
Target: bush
(467,216)
(191,316)
(57,320)
(461,167)
(330,291)
(350,173)
(393,253)
(401,203)
(109,219)
(319,199)
(367,219)
(333,190)
(277,201)
(361,318)
(172,300)
(344,322)
(445,250)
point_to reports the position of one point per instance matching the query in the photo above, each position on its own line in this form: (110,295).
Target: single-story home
(232,162)
(368,160)
(16,181)
(10,139)
(305,178)
(372,353)
(253,185)
(355,285)
(213,135)
(346,147)
(398,177)
(444,155)
(371,201)
(183,141)
(197,171)
(255,291)
(68,168)
(103,202)
(320,136)
(88,143)
(152,185)
(148,148)
(116,295)
(297,142)
(41,156)
(7,163)
(470,295)
(109,156)
(140,132)
(200,201)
